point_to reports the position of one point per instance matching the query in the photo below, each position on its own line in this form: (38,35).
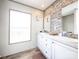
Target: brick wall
(57,6)
(55,10)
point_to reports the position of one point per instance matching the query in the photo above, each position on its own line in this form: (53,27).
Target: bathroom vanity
(61,46)
(57,47)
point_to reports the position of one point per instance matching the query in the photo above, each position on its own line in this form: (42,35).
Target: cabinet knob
(46,44)
(52,42)
(46,51)
(46,39)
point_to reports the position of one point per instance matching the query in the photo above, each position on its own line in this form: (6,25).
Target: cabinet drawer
(47,53)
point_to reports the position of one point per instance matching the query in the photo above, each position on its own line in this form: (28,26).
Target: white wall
(6,49)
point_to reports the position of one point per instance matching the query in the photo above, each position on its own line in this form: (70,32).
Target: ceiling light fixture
(42,5)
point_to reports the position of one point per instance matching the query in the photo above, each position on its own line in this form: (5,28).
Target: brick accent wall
(57,6)
(55,10)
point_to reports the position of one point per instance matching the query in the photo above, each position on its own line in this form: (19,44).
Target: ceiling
(39,4)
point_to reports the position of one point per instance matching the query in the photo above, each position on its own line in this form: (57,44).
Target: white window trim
(9,28)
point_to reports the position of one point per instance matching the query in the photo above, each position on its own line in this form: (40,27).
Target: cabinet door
(40,42)
(49,48)
(62,52)
(53,50)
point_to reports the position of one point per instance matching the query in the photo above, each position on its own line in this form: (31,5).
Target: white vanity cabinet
(62,51)
(45,45)
(53,49)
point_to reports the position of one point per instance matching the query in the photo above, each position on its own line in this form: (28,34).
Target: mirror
(69,19)
(68,23)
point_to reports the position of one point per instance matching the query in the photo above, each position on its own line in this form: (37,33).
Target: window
(20,25)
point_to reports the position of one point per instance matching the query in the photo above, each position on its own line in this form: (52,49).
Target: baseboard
(4,57)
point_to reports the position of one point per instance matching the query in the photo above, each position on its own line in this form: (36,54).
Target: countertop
(65,40)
